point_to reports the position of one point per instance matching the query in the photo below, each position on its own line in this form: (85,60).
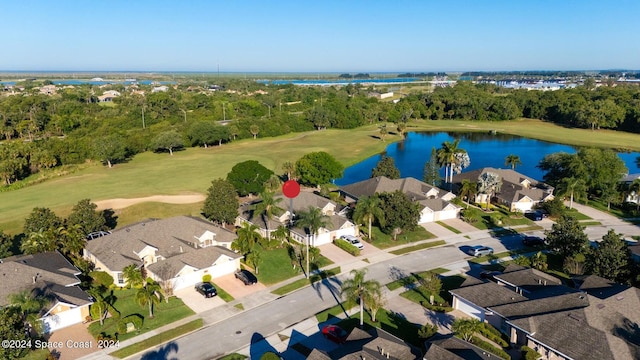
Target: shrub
(490,348)
(427,331)
(437,308)
(529,354)
(206,278)
(101,278)
(493,334)
(135,319)
(347,246)
(269,356)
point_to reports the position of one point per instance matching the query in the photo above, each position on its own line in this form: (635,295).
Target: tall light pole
(185,115)
(143,125)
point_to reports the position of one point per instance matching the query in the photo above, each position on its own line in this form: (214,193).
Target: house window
(120,278)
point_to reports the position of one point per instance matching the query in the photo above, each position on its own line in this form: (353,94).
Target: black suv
(246,277)
(532,241)
(206,289)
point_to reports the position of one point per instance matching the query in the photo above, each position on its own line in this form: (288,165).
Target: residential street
(230,330)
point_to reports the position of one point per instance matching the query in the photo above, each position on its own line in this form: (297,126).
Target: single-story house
(49,275)
(180,249)
(632,196)
(434,202)
(373,344)
(596,321)
(517,191)
(340,225)
(108,95)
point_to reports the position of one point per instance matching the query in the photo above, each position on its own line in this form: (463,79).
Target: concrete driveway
(73,340)
(237,288)
(460,225)
(339,256)
(437,230)
(196,301)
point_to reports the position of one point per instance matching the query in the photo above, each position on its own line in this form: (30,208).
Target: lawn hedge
(490,348)
(493,334)
(528,353)
(347,246)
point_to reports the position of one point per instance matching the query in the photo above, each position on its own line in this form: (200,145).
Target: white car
(480,250)
(353,241)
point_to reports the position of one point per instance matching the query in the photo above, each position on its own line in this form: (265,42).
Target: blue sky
(319,36)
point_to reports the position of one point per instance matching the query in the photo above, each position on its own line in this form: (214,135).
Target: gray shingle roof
(548,305)
(435,352)
(488,294)
(203,258)
(512,189)
(54,277)
(172,237)
(410,186)
(461,348)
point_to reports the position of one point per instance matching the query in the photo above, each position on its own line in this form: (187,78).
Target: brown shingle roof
(512,189)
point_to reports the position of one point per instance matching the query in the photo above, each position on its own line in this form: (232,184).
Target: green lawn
(276,266)
(193,169)
(384,241)
(576,214)
(304,282)
(164,313)
(450,228)
(422,246)
(413,277)
(158,339)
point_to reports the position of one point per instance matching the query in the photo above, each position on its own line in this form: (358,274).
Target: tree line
(41,132)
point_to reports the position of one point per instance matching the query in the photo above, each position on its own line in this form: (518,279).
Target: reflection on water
(484,149)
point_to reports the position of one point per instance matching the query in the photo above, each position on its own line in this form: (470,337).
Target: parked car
(246,277)
(480,250)
(532,241)
(353,241)
(490,275)
(334,333)
(534,215)
(206,289)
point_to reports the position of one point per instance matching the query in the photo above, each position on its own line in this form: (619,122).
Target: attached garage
(468,308)
(65,315)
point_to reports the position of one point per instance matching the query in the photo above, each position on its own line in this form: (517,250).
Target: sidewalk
(414,312)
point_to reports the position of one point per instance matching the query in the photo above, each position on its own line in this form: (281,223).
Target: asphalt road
(252,325)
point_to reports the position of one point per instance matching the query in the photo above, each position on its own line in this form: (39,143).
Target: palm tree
(39,241)
(267,208)
(447,157)
(313,219)
(513,161)
(367,210)
(102,304)
(489,183)
(383,132)
(247,238)
(133,276)
(574,187)
(150,294)
(468,189)
(357,289)
(289,168)
(29,306)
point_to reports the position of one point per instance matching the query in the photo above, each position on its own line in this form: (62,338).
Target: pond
(484,150)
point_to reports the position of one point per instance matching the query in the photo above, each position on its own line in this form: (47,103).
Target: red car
(334,333)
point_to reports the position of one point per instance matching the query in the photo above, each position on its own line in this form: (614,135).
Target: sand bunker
(169,199)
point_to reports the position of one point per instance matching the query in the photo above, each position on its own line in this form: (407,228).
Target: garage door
(469,309)
(446,215)
(62,319)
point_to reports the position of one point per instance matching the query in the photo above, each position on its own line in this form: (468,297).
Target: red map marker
(291,189)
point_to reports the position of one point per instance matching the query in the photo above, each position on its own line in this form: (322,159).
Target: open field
(189,172)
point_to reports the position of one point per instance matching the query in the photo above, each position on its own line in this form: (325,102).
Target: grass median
(413,248)
(158,339)
(304,282)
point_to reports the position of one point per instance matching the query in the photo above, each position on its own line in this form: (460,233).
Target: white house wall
(63,319)
(446,214)
(218,270)
(468,308)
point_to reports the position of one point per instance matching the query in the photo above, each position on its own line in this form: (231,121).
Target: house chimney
(180,248)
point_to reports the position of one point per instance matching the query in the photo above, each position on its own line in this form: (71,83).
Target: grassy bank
(191,170)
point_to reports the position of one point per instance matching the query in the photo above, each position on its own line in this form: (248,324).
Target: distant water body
(339,81)
(103,82)
(485,150)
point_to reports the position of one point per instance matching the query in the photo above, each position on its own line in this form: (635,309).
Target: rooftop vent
(600,306)
(574,317)
(619,298)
